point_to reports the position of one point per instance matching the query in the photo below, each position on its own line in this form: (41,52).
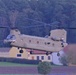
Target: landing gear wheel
(58,54)
(51,52)
(21,51)
(31,52)
(62,45)
(47,53)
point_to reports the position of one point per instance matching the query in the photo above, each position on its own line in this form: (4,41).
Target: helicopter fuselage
(33,42)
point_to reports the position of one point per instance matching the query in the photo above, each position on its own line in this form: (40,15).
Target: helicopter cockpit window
(12,37)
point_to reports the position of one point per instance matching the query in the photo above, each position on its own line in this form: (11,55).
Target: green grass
(14,64)
(18,64)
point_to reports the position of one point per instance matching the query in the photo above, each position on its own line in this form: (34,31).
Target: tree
(70,52)
(71,56)
(44,68)
(63,59)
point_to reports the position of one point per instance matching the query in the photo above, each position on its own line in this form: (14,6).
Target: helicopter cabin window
(53,44)
(29,40)
(22,39)
(48,43)
(37,42)
(45,43)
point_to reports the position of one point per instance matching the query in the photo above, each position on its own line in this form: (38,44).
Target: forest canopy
(38,17)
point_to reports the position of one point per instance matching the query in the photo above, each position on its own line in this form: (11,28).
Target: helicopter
(53,43)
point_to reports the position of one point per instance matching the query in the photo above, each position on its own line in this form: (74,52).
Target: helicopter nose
(6,41)
(10,38)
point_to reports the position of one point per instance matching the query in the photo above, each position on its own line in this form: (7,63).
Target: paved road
(33,70)
(64,71)
(18,70)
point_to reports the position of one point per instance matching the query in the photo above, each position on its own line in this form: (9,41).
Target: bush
(63,59)
(44,68)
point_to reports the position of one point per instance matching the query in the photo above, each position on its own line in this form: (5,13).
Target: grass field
(18,64)
(14,64)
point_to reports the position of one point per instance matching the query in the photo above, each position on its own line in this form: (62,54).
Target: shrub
(64,60)
(44,68)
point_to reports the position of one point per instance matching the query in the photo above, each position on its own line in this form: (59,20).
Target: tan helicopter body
(53,43)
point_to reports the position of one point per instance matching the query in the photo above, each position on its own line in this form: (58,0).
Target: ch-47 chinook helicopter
(53,43)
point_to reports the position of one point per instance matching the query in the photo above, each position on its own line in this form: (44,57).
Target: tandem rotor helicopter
(53,43)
